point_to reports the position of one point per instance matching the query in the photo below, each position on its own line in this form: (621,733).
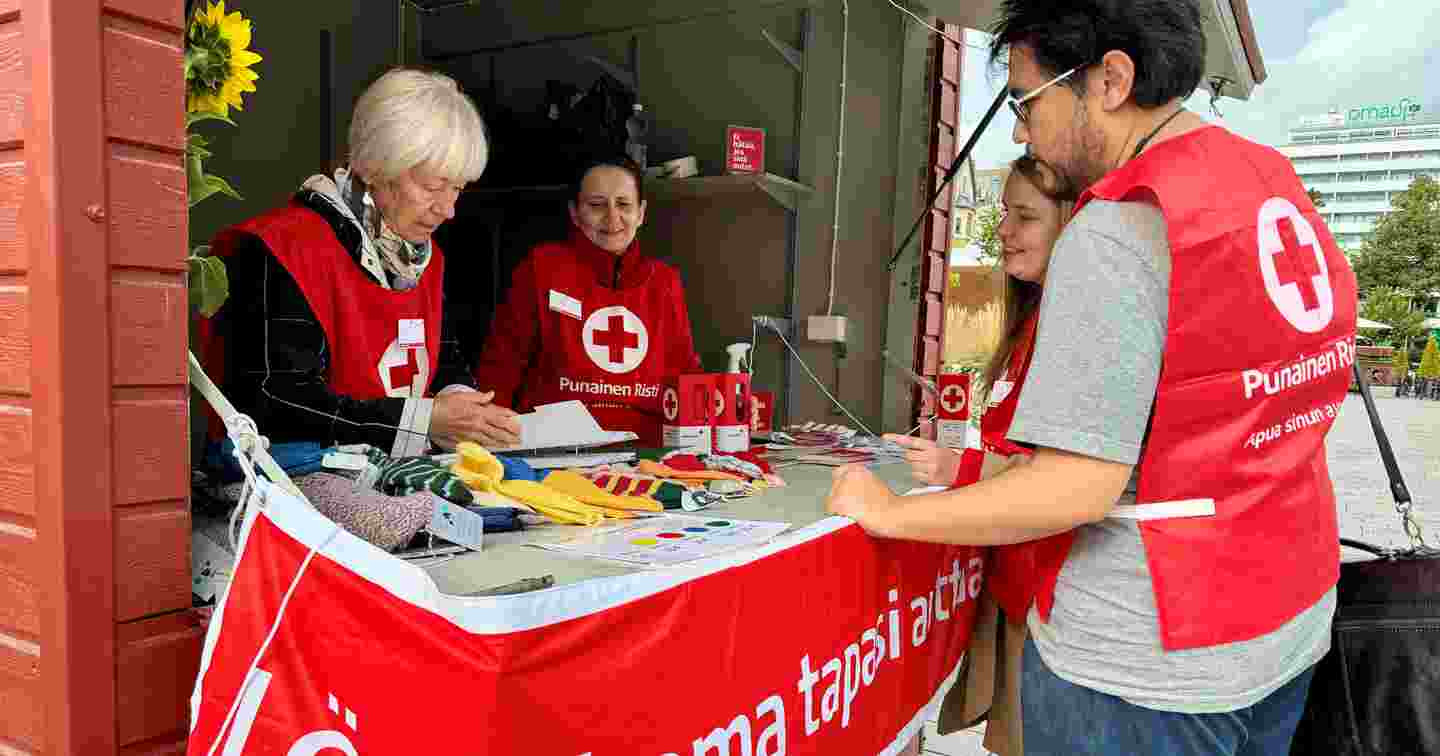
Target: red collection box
(732,420)
(688,406)
(762,413)
(953,410)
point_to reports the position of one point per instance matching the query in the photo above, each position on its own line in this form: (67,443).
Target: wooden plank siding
(157,643)
(98,652)
(947,64)
(21,699)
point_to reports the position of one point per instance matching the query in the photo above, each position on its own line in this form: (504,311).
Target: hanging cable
(818,383)
(839,154)
(925,24)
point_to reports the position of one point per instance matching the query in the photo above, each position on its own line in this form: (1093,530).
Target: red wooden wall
(97,651)
(947,60)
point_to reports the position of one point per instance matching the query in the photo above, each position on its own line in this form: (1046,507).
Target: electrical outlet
(829,329)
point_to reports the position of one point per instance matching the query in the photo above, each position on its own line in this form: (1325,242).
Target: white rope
(241,430)
(269,637)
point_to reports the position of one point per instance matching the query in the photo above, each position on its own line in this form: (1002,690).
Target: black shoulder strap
(1387,454)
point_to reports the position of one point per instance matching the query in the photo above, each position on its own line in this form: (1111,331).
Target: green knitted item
(401,477)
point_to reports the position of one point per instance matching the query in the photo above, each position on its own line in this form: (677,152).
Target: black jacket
(277,357)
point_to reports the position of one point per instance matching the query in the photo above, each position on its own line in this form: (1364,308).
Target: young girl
(989,684)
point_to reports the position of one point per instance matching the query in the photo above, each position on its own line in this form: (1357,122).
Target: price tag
(457,524)
(412,332)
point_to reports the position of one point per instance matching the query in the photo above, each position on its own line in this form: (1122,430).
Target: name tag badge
(1001,390)
(412,332)
(564,304)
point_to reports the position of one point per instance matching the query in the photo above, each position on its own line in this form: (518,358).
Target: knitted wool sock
(387,522)
(665,492)
(399,477)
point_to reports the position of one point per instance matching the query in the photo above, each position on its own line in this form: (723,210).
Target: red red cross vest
(361,319)
(609,348)
(1257,360)
(1011,570)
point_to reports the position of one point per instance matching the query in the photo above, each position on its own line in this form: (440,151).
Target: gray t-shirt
(1090,389)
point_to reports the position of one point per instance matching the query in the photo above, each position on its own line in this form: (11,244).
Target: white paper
(565,461)
(563,425)
(344,461)
(457,524)
(210,566)
(670,539)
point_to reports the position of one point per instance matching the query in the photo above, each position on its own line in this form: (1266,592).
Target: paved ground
(1366,510)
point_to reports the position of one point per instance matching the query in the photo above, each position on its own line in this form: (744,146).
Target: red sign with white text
(744,150)
(826,641)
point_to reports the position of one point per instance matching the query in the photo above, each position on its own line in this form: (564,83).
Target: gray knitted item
(387,522)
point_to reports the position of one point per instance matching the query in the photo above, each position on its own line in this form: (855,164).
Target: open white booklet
(563,426)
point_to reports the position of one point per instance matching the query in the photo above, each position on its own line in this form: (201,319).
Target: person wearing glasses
(1181,521)
(335,330)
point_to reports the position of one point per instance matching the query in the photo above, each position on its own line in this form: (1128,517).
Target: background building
(1359,158)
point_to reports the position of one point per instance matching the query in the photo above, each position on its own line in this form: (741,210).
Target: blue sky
(1318,53)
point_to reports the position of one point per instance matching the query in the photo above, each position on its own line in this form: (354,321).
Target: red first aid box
(732,405)
(688,406)
(744,150)
(952,409)
(762,413)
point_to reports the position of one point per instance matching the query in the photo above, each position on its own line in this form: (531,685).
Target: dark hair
(1165,38)
(622,162)
(1020,299)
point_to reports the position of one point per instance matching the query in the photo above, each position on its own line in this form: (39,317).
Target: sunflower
(217,65)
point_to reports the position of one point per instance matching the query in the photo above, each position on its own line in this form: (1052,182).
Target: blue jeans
(1063,719)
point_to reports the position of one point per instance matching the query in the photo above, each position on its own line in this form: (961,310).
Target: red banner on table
(825,641)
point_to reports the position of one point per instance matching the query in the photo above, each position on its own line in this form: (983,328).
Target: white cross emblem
(615,339)
(953,399)
(1292,262)
(398,367)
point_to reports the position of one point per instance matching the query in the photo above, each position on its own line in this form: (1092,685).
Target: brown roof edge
(1241,9)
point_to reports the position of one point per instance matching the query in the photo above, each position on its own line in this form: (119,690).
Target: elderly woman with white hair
(335,330)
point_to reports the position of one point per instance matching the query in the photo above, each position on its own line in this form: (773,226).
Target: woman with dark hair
(591,318)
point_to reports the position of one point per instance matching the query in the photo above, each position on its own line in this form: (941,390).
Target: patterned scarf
(394,262)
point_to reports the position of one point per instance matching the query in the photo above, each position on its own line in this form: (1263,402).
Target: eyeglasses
(1021,106)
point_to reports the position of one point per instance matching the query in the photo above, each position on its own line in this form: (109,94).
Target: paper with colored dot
(669,539)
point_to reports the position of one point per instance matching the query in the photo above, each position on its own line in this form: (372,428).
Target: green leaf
(193,118)
(209,283)
(202,185)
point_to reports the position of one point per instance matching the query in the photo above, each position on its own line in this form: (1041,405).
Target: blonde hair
(410,118)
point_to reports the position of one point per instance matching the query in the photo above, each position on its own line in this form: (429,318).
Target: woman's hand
(470,416)
(858,494)
(930,463)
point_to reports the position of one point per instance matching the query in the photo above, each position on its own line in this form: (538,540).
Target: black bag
(1378,690)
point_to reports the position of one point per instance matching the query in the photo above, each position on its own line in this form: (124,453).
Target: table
(824,641)
(508,557)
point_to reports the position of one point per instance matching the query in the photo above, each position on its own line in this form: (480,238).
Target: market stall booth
(99,648)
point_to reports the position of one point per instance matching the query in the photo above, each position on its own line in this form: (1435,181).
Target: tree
(1392,307)
(984,234)
(1315,197)
(1430,361)
(1404,251)
(1400,363)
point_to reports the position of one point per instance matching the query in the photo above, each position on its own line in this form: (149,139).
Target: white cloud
(1364,52)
